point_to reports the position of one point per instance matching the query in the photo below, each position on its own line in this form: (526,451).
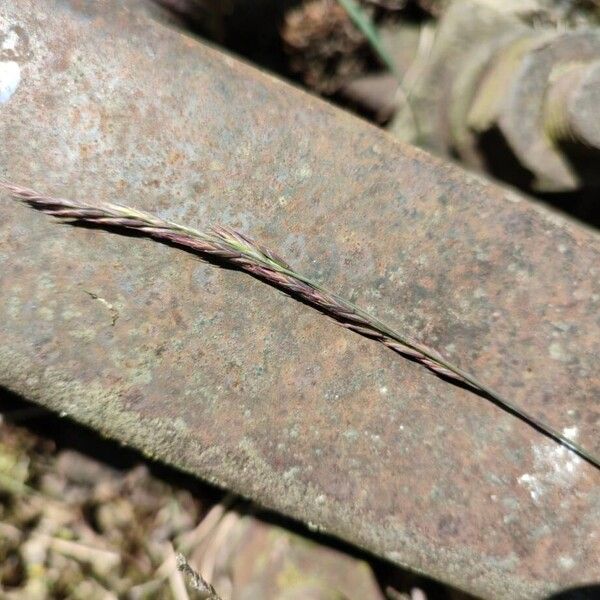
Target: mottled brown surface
(223,376)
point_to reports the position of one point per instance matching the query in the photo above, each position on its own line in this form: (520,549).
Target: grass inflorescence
(236,248)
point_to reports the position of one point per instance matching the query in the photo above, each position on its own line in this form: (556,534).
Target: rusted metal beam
(224,377)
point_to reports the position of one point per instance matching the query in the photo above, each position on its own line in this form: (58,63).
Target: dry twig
(196,582)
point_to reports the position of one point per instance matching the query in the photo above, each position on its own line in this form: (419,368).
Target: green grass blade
(368,29)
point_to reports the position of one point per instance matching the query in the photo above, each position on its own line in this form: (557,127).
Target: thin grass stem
(242,251)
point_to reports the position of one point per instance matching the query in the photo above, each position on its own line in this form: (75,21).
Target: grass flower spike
(238,249)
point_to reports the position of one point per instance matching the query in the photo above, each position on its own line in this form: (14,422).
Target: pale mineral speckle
(180,424)
(397,274)
(44,282)
(566,562)
(291,473)
(304,172)
(465,304)
(10,77)
(560,463)
(383,390)
(512,197)
(316,527)
(350,434)
(140,376)
(557,352)
(555,467)
(10,41)
(534,486)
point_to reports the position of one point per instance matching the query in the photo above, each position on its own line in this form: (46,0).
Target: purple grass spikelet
(236,248)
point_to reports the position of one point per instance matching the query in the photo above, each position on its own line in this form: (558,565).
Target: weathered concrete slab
(220,375)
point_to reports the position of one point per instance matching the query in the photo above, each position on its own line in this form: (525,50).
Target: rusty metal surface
(225,377)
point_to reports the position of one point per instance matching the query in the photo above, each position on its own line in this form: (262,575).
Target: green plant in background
(368,29)
(366,26)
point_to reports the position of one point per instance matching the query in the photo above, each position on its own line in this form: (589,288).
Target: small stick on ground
(195,581)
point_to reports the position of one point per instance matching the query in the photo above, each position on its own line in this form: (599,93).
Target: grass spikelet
(242,251)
